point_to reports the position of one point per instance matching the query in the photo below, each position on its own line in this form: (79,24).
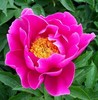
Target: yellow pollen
(43,48)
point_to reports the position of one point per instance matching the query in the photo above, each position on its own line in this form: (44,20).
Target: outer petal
(35,25)
(34,79)
(58,85)
(27,11)
(66,18)
(15,59)
(85,40)
(23,73)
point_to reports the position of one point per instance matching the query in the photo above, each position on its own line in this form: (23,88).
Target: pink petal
(58,85)
(76,28)
(28,60)
(85,40)
(36,24)
(69,19)
(23,73)
(66,18)
(57,15)
(50,31)
(34,79)
(49,64)
(74,39)
(70,56)
(15,59)
(23,36)
(27,11)
(14,42)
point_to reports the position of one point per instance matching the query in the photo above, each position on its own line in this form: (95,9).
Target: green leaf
(3,6)
(31,91)
(38,9)
(3,95)
(79,0)
(18,12)
(58,98)
(82,60)
(78,92)
(3,42)
(21,96)
(9,79)
(4,19)
(68,4)
(91,76)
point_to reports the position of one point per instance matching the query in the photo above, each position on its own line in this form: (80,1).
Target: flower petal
(58,85)
(34,79)
(27,11)
(49,64)
(36,24)
(15,59)
(85,40)
(23,73)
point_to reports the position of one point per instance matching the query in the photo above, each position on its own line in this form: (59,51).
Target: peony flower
(42,50)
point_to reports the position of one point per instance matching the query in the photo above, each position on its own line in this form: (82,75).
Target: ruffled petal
(23,73)
(85,40)
(50,64)
(15,59)
(34,79)
(14,42)
(27,11)
(35,25)
(58,85)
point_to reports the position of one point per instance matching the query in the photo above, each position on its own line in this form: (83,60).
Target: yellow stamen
(43,48)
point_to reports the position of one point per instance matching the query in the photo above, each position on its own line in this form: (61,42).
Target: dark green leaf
(9,79)
(68,4)
(38,10)
(4,19)
(31,91)
(21,96)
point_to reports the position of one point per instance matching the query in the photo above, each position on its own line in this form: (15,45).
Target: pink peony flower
(42,50)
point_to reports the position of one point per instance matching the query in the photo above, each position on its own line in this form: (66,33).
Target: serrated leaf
(38,9)
(31,91)
(78,92)
(68,4)
(82,60)
(9,79)
(91,76)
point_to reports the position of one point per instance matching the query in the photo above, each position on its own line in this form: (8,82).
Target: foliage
(85,85)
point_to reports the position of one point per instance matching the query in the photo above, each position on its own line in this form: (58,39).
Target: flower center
(43,48)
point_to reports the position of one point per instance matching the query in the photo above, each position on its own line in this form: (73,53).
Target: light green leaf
(68,4)
(78,92)
(3,6)
(9,79)
(91,76)
(38,9)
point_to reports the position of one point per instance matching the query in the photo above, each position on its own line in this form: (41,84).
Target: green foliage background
(85,85)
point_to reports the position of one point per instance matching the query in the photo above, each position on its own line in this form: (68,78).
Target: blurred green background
(85,85)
